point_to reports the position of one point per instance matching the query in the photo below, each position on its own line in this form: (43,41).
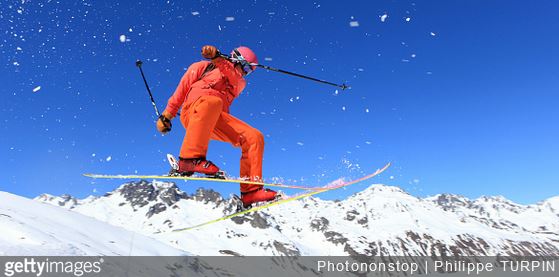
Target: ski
(173,176)
(207,179)
(286,200)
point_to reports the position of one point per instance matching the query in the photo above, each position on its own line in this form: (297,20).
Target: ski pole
(139,65)
(342,86)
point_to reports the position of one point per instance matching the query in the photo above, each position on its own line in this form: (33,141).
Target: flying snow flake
(413,55)
(350,165)
(15,63)
(19,48)
(336,92)
(109,158)
(37,88)
(366,110)
(300,143)
(391,177)
(230,18)
(433,34)
(268,59)
(122,38)
(383,17)
(343,108)
(354,24)
(219,27)
(408,19)
(130,30)
(368,142)
(195,13)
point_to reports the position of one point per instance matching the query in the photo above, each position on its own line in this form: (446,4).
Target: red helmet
(243,53)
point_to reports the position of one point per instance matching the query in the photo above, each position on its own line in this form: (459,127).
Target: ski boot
(187,167)
(259,196)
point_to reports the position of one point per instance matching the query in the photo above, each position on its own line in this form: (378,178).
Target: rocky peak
(498,203)
(65,200)
(450,202)
(207,195)
(142,193)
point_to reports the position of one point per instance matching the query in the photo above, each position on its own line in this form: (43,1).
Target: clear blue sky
(462,97)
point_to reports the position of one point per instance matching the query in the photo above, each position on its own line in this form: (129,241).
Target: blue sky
(461,96)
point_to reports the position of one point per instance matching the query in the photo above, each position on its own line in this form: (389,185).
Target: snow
(37,88)
(383,17)
(391,212)
(122,38)
(33,228)
(354,24)
(229,18)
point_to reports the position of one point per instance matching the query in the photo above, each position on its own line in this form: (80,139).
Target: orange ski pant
(204,119)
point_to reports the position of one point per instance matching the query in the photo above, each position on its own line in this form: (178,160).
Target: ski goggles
(239,59)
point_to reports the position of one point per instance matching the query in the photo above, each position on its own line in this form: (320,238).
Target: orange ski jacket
(224,81)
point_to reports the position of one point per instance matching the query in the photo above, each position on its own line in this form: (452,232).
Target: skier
(205,93)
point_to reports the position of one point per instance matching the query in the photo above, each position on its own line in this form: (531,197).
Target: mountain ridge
(379,220)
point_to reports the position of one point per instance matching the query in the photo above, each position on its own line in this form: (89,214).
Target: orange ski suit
(205,97)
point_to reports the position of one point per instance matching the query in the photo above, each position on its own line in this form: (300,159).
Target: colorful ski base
(166,177)
(283,201)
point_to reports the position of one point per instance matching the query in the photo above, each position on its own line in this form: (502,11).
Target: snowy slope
(379,220)
(32,228)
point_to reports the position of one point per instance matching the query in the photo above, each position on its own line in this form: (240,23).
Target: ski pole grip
(139,63)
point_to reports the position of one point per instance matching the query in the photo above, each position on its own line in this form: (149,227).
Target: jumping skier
(205,93)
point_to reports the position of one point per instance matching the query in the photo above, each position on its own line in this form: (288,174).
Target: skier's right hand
(210,52)
(164,123)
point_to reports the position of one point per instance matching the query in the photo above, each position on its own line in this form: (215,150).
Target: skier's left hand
(164,123)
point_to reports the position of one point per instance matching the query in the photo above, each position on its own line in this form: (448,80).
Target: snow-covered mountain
(380,220)
(65,200)
(33,228)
